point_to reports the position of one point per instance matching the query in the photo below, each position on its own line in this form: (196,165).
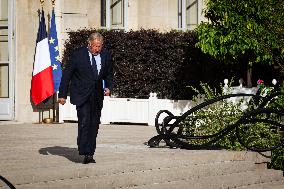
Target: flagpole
(57,72)
(53,108)
(53,98)
(40,111)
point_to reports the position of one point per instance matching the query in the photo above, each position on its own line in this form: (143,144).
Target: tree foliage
(242,30)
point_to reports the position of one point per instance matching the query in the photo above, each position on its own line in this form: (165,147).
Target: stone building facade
(19,25)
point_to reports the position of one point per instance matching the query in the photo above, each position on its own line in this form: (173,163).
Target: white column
(199,11)
(153,109)
(183,15)
(108,18)
(12,66)
(59,23)
(61,114)
(126,20)
(106,111)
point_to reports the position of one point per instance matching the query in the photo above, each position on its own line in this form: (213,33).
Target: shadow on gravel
(69,153)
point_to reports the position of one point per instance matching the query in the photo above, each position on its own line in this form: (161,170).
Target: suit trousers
(89,114)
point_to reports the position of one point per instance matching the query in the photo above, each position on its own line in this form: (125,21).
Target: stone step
(270,185)
(22,162)
(80,171)
(258,179)
(164,179)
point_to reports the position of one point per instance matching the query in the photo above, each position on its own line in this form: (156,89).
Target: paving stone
(45,156)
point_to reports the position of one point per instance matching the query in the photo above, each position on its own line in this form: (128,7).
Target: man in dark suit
(91,73)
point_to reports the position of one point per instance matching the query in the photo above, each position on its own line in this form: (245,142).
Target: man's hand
(61,101)
(107,92)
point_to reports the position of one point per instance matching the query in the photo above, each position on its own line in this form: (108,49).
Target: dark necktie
(94,66)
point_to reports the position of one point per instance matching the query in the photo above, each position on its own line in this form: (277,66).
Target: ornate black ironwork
(8,183)
(260,110)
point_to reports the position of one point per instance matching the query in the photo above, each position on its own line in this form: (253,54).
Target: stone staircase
(41,157)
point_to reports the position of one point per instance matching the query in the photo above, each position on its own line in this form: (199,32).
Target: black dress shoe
(88,159)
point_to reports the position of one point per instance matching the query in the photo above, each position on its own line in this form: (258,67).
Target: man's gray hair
(95,36)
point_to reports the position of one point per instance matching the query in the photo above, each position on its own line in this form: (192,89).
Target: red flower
(259,82)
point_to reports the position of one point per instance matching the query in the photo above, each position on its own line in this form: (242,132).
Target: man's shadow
(69,153)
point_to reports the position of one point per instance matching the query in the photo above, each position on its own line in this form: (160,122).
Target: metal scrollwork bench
(186,132)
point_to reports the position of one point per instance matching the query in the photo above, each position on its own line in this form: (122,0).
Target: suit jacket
(79,72)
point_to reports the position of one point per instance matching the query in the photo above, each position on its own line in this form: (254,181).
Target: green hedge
(149,61)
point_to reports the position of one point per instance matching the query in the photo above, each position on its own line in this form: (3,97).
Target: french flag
(42,85)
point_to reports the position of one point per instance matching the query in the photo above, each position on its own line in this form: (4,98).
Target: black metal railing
(184,132)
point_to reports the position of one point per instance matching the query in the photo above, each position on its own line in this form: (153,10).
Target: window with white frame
(117,13)
(114,14)
(189,13)
(4,50)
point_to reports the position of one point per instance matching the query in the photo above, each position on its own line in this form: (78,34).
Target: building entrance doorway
(6,74)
